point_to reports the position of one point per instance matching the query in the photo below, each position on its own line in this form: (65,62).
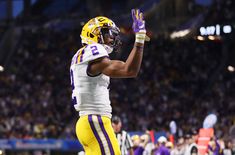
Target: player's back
(90,93)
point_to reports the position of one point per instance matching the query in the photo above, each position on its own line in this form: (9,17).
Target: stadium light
(82,23)
(200,38)
(179,34)
(231,68)
(211,37)
(227,29)
(1,68)
(1,152)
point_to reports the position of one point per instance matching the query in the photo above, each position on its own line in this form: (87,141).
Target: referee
(123,137)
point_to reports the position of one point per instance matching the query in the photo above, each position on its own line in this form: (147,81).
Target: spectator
(191,146)
(140,143)
(214,147)
(179,149)
(162,149)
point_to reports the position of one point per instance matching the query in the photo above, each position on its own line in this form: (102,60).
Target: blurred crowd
(187,145)
(35,90)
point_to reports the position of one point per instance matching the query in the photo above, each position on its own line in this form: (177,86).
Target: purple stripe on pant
(96,134)
(106,135)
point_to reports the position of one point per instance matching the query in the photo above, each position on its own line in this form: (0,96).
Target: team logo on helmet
(91,31)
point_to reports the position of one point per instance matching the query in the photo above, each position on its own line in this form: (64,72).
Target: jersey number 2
(94,50)
(74,99)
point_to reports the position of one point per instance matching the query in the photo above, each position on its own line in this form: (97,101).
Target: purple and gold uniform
(90,92)
(91,98)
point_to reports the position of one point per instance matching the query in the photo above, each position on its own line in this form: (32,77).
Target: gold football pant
(96,135)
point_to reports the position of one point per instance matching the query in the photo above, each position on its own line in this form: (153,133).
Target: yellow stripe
(109,129)
(101,134)
(80,54)
(140,38)
(137,14)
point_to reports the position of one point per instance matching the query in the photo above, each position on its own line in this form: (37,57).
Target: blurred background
(186,74)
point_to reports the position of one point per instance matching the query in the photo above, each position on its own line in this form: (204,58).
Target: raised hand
(138,25)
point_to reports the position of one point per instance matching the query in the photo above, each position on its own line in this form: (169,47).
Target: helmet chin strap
(108,48)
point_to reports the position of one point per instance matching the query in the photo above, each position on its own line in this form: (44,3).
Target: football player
(90,72)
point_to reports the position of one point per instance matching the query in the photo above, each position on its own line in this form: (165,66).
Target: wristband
(140,38)
(139,47)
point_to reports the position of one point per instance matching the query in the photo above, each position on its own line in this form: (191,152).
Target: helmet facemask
(109,36)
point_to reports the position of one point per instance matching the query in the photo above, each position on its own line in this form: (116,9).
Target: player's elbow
(132,74)
(135,74)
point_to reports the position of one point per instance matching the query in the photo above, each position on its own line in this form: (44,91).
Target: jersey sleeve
(92,52)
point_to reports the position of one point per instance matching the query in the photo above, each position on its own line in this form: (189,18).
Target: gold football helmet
(95,30)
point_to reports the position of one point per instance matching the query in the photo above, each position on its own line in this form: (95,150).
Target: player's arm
(131,151)
(119,69)
(130,68)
